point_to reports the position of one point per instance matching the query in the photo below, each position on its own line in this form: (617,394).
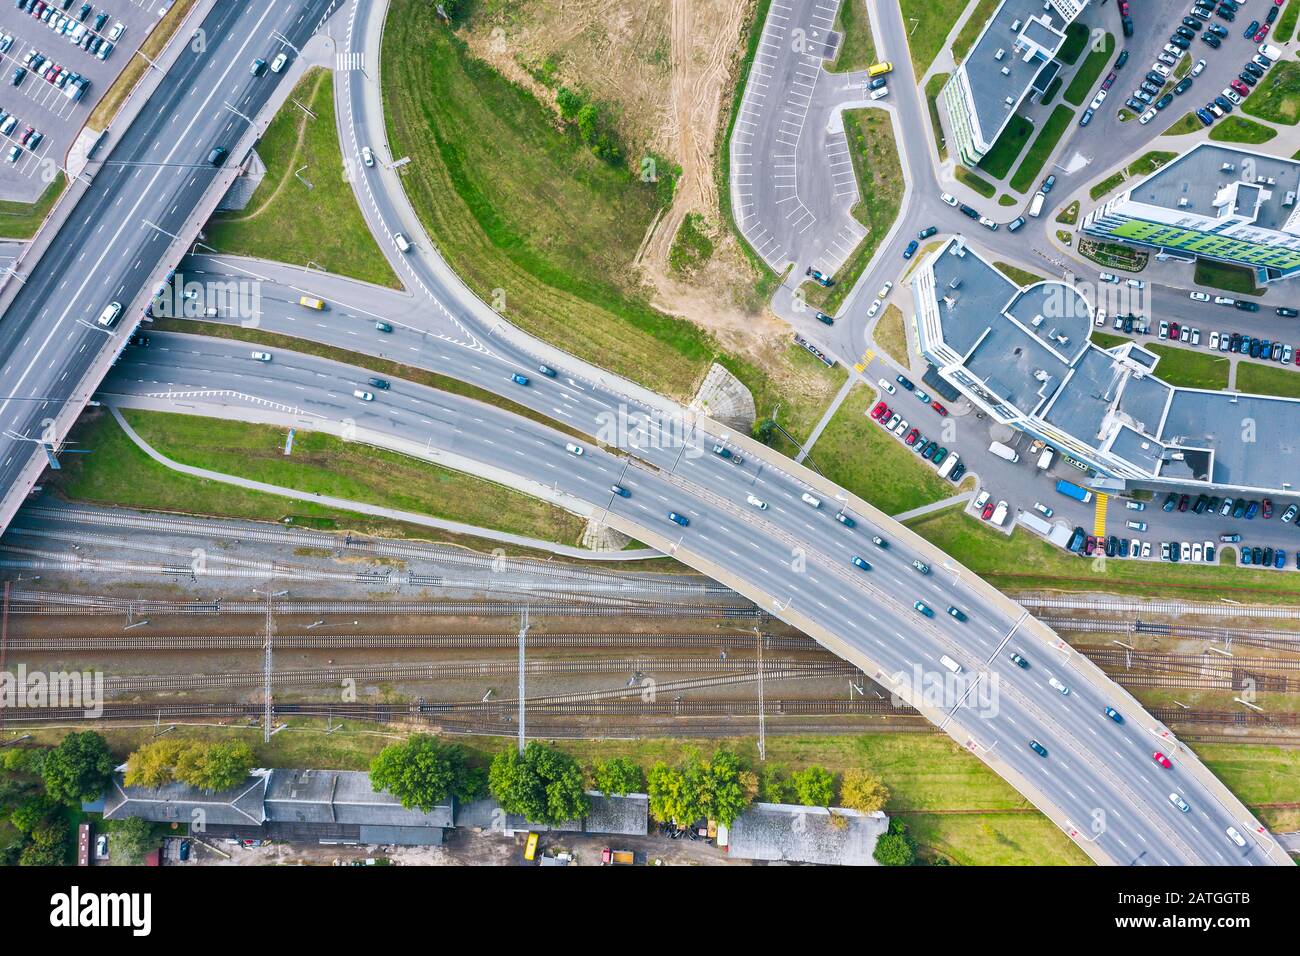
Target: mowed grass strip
(857,48)
(351,470)
(1277,96)
(970,30)
(289,222)
(1042,148)
(1235,129)
(1008,147)
(858,454)
(1190,369)
(928,23)
(1256,378)
(20,220)
(524,211)
(1082,83)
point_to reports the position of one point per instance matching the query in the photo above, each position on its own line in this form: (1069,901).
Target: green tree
(569,101)
(765,431)
(214,767)
(814,786)
(423,773)
(895,847)
(47,846)
(723,795)
(132,839)
(672,800)
(154,764)
(78,769)
(863,790)
(619,775)
(22,759)
(542,784)
(32,813)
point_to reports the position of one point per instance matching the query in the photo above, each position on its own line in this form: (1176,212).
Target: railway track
(1136,606)
(1257,637)
(46,603)
(1155,669)
(352,674)
(133,641)
(495,565)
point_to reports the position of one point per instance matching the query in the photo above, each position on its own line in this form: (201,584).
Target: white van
(946,468)
(402,244)
(1045,459)
(811,500)
(999,513)
(1036,207)
(1270,51)
(1057,685)
(108,317)
(951,664)
(1004,451)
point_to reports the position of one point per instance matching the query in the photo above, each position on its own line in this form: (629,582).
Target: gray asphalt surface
(141,194)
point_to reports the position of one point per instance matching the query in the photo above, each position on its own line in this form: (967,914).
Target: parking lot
(47,111)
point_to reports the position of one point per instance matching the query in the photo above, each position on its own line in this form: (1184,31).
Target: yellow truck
(311,302)
(530,848)
(610,857)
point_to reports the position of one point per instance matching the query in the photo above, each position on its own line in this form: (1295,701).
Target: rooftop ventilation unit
(1036,321)
(1062,339)
(1010,101)
(1000,54)
(955,284)
(1183,202)
(1006,71)
(1289,201)
(1040,375)
(1015,25)
(1227,168)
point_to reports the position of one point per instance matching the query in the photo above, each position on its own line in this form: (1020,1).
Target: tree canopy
(78,769)
(814,786)
(423,773)
(896,846)
(206,766)
(542,784)
(716,789)
(863,790)
(619,776)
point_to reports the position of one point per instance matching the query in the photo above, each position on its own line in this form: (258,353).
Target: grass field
(1026,561)
(1148,163)
(1188,124)
(857,49)
(1260,379)
(288,222)
(1286,23)
(890,334)
(117,472)
(999,160)
(518,205)
(1042,147)
(1106,185)
(20,220)
(970,30)
(1076,36)
(1234,129)
(869,136)
(1230,278)
(928,23)
(1191,369)
(1086,76)
(1108,340)
(977,183)
(855,452)
(1277,95)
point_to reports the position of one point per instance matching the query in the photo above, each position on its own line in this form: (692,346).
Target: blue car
(546,370)
(1245,556)
(519,379)
(620,491)
(1206,117)
(911,249)
(904,381)
(1279,559)
(859,563)
(1251,510)
(679,519)
(1113,714)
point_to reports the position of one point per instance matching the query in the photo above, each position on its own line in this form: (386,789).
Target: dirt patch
(664,68)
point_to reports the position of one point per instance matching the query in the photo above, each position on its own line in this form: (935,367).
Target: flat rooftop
(1194,181)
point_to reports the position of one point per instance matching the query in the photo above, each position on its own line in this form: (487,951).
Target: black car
(1219,30)
(1192,22)
(1156,78)
(1246,306)
(1272,14)
(1225,14)
(1183,86)
(1171,501)
(1247,78)
(958,470)
(1285,312)
(968,211)
(1134,105)
(379,383)
(1277,351)
(1186,33)
(1211,40)
(1164,101)
(1121,59)
(1127,23)
(927,232)
(824,318)
(1254,69)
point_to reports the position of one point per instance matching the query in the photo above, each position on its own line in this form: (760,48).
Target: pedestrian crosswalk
(350,61)
(1099,516)
(867,358)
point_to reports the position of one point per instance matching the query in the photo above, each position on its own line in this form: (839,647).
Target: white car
(1185,552)
(367,156)
(1199,68)
(1101,318)
(1160,68)
(875,307)
(1231,95)
(1043,510)
(980,501)
(1146,549)
(370,397)
(758,503)
(1137,283)
(1196,336)
(261,356)
(1174,798)
(115,34)
(901,428)
(884,290)
(1225,342)
(1214,341)
(988,223)
(1224,300)
(570,447)
(1097,100)
(1164,329)
(949,199)
(1119,322)
(1197,554)
(1198,296)
(1234,836)
(110,314)
(887,386)
(1108,277)
(893,420)
(1057,685)
(1136,525)
(278,63)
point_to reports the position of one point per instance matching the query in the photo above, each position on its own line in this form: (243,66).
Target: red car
(914,434)
(939,408)
(879,411)
(1090,545)
(988,511)
(1108,82)
(1266,510)
(1173,331)
(1240,87)
(1123,8)
(1263,32)
(1161,759)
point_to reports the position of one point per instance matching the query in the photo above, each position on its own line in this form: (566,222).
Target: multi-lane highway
(113,241)
(1098,773)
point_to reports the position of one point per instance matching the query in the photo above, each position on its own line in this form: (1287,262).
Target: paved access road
(113,241)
